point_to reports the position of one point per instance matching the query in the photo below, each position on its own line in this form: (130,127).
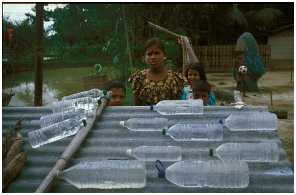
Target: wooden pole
(271,104)
(128,50)
(163,29)
(39,55)
(46,184)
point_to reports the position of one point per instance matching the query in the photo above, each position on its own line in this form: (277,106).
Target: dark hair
(115,84)
(200,85)
(155,42)
(199,68)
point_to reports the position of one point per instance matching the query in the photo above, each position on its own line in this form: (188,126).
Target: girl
(193,73)
(157,82)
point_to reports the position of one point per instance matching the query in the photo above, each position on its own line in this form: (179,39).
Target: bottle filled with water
(56,131)
(86,103)
(179,107)
(250,152)
(237,97)
(93,93)
(107,174)
(212,173)
(195,132)
(153,153)
(145,124)
(50,119)
(251,121)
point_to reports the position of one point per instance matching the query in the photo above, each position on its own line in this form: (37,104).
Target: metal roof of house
(108,140)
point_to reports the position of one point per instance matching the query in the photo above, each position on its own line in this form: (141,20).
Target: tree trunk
(39,55)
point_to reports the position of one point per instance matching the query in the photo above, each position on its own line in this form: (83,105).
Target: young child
(201,90)
(194,73)
(118,93)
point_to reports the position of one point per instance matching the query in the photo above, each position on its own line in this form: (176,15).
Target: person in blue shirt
(193,73)
(201,90)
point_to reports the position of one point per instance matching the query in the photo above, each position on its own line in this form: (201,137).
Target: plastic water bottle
(213,174)
(251,121)
(107,174)
(94,93)
(237,97)
(50,119)
(86,103)
(179,107)
(195,132)
(55,132)
(251,152)
(153,153)
(145,124)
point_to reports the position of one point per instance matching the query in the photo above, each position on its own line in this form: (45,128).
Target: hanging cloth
(189,56)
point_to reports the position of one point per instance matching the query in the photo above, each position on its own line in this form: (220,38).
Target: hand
(179,40)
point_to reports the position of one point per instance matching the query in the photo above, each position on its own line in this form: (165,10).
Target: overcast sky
(16,11)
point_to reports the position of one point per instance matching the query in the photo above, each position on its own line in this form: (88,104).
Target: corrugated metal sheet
(108,140)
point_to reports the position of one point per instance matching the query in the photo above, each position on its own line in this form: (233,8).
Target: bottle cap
(151,107)
(211,152)
(129,152)
(160,169)
(163,131)
(84,122)
(121,123)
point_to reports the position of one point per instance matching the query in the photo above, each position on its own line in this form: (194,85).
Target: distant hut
(281,43)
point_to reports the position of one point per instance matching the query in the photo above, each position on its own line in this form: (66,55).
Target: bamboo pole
(39,55)
(128,50)
(71,149)
(163,29)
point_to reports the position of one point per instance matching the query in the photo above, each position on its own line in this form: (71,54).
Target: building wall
(282,46)
(282,50)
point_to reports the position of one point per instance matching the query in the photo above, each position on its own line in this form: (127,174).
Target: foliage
(92,33)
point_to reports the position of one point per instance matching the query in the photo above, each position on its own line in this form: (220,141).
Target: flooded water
(56,84)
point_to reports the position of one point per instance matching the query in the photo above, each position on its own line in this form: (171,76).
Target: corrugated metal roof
(108,140)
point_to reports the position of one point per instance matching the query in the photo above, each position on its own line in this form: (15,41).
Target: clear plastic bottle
(145,124)
(179,107)
(195,132)
(93,93)
(251,121)
(86,103)
(251,152)
(212,173)
(50,119)
(55,132)
(237,97)
(107,174)
(153,153)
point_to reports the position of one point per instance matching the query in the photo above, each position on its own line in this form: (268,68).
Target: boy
(201,90)
(118,93)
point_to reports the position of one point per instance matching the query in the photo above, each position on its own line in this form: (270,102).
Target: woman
(157,82)
(247,54)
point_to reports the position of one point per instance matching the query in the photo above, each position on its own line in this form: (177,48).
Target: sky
(16,11)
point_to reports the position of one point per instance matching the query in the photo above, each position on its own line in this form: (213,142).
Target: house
(281,42)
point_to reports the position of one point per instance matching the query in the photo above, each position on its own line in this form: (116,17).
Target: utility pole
(39,55)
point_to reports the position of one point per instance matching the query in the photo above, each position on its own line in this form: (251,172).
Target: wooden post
(128,50)
(39,55)
(291,76)
(271,104)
